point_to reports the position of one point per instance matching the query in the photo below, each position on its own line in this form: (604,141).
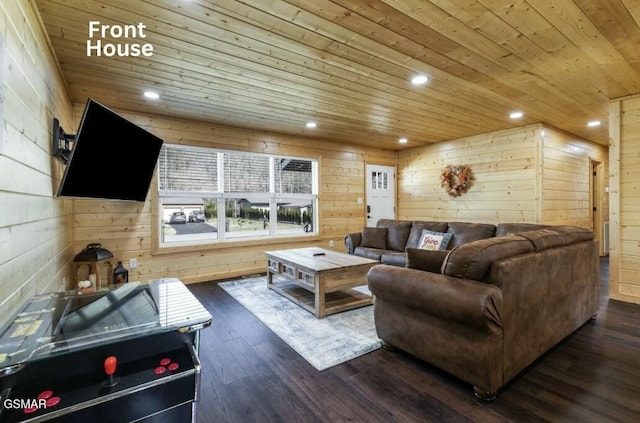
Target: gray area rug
(322,342)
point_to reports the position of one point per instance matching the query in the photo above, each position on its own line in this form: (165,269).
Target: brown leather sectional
(491,305)
(389,240)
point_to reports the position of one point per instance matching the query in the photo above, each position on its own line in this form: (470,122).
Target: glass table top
(56,323)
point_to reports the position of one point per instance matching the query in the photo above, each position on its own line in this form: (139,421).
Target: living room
(537,169)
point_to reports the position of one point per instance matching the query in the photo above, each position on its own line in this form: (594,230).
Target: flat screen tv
(111,158)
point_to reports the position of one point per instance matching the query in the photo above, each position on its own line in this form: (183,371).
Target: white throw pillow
(434,240)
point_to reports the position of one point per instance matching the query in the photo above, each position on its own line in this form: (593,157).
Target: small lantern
(120,274)
(93,260)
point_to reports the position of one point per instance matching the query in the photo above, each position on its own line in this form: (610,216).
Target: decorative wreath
(456,180)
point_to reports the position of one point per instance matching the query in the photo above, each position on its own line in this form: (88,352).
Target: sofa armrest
(464,301)
(351,241)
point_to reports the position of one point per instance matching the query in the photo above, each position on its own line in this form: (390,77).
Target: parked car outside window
(178,217)
(196,216)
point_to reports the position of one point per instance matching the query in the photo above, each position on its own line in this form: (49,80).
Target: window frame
(222,241)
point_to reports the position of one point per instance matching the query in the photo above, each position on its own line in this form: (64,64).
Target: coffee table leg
(319,296)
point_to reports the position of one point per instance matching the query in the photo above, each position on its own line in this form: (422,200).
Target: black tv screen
(112,158)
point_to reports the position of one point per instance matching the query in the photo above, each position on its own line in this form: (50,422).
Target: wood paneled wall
(531,174)
(568,185)
(35,227)
(127,228)
(506,168)
(624,156)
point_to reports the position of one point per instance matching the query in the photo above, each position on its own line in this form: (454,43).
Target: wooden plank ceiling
(345,64)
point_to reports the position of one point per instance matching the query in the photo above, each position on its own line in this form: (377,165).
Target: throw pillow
(429,261)
(397,235)
(434,240)
(374,238)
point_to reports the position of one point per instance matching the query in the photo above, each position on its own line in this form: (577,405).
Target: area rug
(322,342)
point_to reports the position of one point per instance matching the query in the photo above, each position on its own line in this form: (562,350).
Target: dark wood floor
(250,375)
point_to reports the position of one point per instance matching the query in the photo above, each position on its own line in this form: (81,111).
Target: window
(379,180)
(241,195)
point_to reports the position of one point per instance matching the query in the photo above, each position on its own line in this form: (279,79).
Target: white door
(381,193)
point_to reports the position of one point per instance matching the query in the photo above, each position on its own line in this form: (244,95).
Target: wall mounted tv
(111,157)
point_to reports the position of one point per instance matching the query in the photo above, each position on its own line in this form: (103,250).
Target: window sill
(230,244)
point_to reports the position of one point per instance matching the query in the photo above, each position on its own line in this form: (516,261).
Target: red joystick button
(45,394)
(110,365)
(160,370)
(173,366)
(165,361)
(53,401)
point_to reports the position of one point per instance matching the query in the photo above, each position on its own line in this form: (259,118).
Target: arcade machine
(129,353)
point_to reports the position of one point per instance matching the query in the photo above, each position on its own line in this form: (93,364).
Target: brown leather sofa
(494,305)
(389,240)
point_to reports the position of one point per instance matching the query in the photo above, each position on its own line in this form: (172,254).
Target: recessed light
(420,79)
(403,140)
(311,125)
(516,115)
(152,95)
(594,123)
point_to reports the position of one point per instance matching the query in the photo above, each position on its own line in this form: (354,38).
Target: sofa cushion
(557,236)
(370,253)
(464,232)
(473,260)
(374,238)
(394,258)
(431,240)
(419,226)
(575,233)
(516,228)
(427,260)
(397,233)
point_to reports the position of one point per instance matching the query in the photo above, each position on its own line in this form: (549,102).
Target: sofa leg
(483,394)
(387,346)
(593,318)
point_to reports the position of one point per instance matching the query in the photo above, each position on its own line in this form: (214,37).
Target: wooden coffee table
(319,280)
